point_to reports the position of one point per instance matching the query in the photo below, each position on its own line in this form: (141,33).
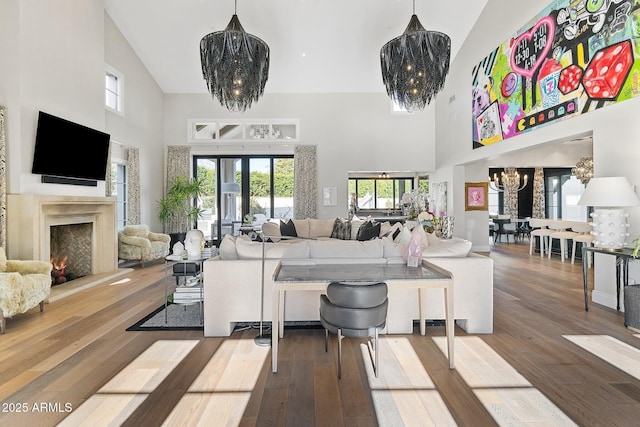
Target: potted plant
(177,210)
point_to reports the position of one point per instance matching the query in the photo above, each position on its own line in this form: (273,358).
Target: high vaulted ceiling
(316,46)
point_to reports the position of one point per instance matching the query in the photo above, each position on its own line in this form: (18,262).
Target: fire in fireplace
(70,251)
(59,273)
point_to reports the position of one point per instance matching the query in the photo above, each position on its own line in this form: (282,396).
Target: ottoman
(632,306)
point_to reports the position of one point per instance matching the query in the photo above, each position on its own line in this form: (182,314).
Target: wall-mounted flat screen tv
(70,150)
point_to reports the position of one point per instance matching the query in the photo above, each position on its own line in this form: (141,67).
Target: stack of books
(189,293)
(209,252)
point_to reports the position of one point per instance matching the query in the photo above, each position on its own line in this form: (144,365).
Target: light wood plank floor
(548,363)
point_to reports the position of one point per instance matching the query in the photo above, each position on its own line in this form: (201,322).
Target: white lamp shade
(613,191)
(230,187)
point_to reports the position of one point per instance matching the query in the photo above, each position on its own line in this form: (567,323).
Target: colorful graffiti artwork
(576,56)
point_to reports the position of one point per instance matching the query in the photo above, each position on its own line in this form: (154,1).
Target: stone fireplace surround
(30,218)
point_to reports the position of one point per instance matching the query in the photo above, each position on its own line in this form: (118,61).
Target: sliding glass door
(241,189)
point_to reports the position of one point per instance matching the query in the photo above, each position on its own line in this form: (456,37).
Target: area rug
(179,317)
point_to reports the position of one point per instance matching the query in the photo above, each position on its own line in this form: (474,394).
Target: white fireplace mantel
(30,217)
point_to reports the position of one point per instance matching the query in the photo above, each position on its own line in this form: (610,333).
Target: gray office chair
(354,310)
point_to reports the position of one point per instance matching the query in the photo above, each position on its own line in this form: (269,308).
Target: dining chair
(539,230)
(354,310)
(562,232)
(583,237)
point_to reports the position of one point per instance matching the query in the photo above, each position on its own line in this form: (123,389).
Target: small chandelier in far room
(509,180)
(235,65)
(583,170)
(415,65)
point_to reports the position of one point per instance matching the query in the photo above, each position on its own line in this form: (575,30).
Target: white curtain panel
(305,185)
(133,186)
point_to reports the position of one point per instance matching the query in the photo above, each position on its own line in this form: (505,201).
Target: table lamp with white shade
(609,195)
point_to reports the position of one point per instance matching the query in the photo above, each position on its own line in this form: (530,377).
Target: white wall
(143,121)
(614,128)
(61,72)
(353,132)
(55,63)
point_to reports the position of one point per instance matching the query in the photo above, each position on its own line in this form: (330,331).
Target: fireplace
(70,250)
(38,225)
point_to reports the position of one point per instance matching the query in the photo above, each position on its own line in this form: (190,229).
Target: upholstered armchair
(137,243)
(23,285)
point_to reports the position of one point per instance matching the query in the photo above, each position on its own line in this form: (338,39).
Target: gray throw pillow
(341,229)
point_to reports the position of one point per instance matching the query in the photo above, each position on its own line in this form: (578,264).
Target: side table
(187,268)
(622,269)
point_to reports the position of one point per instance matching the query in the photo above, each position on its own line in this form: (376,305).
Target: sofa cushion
(302,227)
(341,229)
(271,229)
(388,229)
(392,249)
(227,249)
(248,249)
(355,227)
(320,228)
(452,248)
(369,230)
(288,228)
(346,249)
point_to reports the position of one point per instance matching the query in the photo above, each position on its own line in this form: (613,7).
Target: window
(563,191)
(119,190)
(114,91)
(380,193)
(398,109)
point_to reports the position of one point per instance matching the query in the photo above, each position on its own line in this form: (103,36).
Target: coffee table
(312,276)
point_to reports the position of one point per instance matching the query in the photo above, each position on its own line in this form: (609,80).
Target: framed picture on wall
(476,196)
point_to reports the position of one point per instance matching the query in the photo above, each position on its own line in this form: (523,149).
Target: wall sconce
(609,195)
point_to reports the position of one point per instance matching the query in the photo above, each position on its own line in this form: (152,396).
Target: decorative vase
(446,227)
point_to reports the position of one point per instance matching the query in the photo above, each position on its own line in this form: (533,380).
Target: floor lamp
(265,339)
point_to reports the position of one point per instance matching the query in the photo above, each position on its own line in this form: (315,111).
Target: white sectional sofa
(232,280)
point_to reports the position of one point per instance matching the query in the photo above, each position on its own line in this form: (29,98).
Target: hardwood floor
(548,362)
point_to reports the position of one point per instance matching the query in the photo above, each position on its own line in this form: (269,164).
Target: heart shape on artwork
(527,37)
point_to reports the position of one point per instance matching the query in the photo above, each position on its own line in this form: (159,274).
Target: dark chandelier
(415,65)
(235,65)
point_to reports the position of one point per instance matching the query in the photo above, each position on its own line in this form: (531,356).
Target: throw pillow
(404,236)
(271,229)
(341,229)
(288,228)
(227,249)
(369,230)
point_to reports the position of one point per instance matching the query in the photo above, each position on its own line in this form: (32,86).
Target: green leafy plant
(637,248)
(177,209)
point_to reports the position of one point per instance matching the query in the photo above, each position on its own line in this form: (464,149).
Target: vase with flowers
(428,221)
